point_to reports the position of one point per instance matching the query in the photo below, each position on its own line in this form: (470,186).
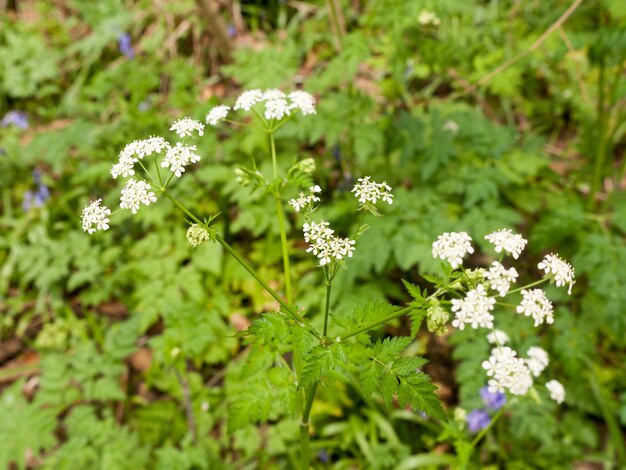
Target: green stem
(596,181)
(532,284)
(305,458)
(326,308)
(363,329)
(244,264)
(482,433)
(281,227)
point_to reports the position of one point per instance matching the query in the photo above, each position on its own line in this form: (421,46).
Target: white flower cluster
(498,337)
(217,114)
(535,304)
(134,152)
(278,105)
(178,157)
(452,247)
(505,240)
(537,360)
(197,235)
(500,278)
(507,372)
(426,18)
(136,193)
(324,244)
(474,310)
(185,127)
(557,391)
(304,202)
(369,192)
(562,271)
(95,214)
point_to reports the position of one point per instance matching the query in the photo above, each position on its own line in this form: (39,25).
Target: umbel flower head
(557,391)
(507,371)
(537,360)
(276,105)
(136,151)
(136,193)
(325,245)
(305,202)
(535,304)
(452,247)
(369,192)
(197,235)
(562,271)
(95,217)
(474,310)
(506,240)
(500,278)
(185,127)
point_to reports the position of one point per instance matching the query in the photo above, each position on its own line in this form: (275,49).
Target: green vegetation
(130,349)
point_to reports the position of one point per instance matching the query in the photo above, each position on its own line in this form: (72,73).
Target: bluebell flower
(16,118)
(322,456)
(38,197)
(232,30)
(492,400)
(125,45)
(477,420)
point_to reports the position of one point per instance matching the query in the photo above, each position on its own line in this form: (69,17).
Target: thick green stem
(363,329)
(305,457)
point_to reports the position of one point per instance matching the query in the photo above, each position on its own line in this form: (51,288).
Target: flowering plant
(302,356)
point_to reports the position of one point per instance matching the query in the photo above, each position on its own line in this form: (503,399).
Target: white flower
(537,360)
(451,126)
(369,192)
(186,126)
(562,271)
(305,201)
(273,94)
(535,304)
(557,391)
(303,101)
(134,152)
(217,114)
(248,99)
(136,193)
(508,241)
(325,245)
(178,157)
(426,18)
(452,247)
(276,108)
(500,278)
(507,372)
(474,309)
(197,235)
(498,337)
(95,214)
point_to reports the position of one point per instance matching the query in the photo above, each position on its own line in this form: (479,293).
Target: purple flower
(16,118)
(492,400)
(477,420)
(125,45)
(36,198)
(323,456)
(232,30)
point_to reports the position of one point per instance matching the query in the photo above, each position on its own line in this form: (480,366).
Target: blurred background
(480,114)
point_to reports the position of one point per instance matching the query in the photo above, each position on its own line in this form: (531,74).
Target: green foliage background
(111,329)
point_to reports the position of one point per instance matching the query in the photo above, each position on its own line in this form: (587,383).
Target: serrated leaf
(418,392)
